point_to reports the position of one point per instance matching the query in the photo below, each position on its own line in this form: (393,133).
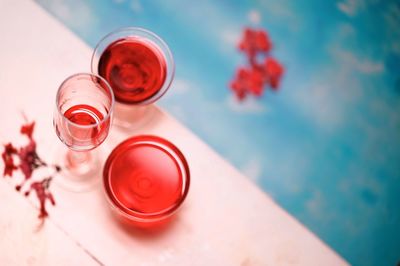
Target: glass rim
(164,49)
(168,148)
(109,89)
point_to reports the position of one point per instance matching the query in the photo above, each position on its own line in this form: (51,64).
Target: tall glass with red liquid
(82,119)
(139,67)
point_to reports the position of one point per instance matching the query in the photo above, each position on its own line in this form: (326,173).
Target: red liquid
(135,69)
(142,178)
(83,115)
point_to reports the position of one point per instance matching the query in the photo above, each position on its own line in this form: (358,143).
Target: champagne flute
(82,119)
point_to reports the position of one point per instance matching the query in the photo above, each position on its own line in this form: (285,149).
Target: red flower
(8,159)
(239,84)
(274,72)
(27,156)
(43,194)
(27,129)
(256,45)
(255,41)
(29,161)
(263,43)
(247,81)
(256,82)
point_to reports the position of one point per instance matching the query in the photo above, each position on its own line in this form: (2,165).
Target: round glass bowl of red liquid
(137,64)
(146,179)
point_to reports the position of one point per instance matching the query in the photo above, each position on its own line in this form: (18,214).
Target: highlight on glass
(146,179)
(82,119)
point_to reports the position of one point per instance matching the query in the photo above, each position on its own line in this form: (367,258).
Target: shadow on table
(145,233)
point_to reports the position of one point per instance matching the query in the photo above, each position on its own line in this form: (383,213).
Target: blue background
(326,146)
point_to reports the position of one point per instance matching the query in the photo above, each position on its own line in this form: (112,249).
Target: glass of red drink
(82,119)
(139,67)
(137,64)
(146,179)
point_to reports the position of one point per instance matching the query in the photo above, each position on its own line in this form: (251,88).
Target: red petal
(8,159)
(42,193)
(9,149)
(274,71)
(273,67)
(263,41)
(257,82)
(28,158)
(27,129)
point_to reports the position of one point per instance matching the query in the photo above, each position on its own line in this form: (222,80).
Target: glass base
(81,171)
(132,116)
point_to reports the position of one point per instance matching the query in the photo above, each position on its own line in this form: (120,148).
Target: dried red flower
(29,160)
(43,194)
(8,159)
(252,80)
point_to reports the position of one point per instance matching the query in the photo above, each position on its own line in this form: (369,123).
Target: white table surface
(226,219)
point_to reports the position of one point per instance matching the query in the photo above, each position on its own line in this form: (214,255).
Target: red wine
(135,69)
(143,178)
(83,114)
(79,132)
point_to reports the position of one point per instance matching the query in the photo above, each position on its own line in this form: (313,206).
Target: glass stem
(76,159)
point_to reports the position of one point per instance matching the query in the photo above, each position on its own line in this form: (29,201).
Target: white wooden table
(226,219)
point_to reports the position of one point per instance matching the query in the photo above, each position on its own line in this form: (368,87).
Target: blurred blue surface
(326,146)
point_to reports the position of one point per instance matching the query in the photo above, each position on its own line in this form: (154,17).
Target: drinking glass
(82,119)
(146,180)
(139,67)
